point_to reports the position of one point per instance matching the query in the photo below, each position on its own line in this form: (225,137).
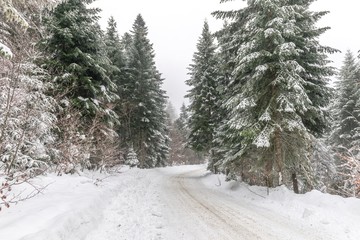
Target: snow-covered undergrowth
(128,205)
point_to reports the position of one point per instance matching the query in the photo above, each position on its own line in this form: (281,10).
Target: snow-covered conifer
(277,89)
(203,94)
(131,158)
(182,121)
(144,101)
(345,137)
(347,105)
(77,60)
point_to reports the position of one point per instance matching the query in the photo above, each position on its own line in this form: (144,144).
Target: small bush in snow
(131,158)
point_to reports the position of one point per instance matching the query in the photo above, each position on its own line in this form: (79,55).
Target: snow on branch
(5,51)
(11,14)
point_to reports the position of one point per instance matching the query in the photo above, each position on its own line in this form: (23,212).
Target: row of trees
(73,95)
(259,98)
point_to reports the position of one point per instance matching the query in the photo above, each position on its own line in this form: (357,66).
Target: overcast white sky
(175,27)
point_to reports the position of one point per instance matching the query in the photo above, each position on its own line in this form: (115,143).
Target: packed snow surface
(185,202)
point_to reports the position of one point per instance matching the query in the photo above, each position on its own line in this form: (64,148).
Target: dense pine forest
(261,107)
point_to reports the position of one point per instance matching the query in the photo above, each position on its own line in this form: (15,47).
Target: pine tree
(114,50)
(347,105)
(77,59)
(145,100)
(345,138)
(181,122)
(226,56)
(278,89)
(118,74)
(203,94)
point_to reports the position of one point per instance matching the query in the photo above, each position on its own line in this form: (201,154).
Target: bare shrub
(82,146)
(348,166)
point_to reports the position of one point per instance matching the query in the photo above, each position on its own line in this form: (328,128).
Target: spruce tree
(114,50)
(182,120)
(76,58)
(146,101)
(347,105)
(345,137)
(203,94)
(226,56)
(278,89)
(119,75)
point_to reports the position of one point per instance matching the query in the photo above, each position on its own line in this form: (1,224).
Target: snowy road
(175,203)
(201,213)
(175,206)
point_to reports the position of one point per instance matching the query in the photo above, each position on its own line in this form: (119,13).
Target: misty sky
(175,27)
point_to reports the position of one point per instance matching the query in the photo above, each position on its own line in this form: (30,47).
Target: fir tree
(347,105)
(77,59)
(226,56)
(203,94)
(345,138)
(114,50)
(146,101)
(118,74)
(181,122)
(278,89)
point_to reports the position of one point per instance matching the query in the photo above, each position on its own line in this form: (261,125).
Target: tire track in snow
(218,216)
(210,222)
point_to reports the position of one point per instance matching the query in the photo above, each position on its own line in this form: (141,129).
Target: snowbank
(69,207)
(334,215)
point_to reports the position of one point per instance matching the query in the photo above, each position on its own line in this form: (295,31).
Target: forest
(261,108)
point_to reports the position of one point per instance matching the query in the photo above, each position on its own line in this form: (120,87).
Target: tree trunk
(268,172)
(295,183)
(278,154)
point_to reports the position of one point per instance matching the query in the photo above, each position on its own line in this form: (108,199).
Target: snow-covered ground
(174,203)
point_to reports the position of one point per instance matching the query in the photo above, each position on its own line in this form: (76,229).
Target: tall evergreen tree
(119,75)
(226,55)
(146,100)
(77,58)
(345,137)
(114,50)
(347,105)
(203,94)
(278,89)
